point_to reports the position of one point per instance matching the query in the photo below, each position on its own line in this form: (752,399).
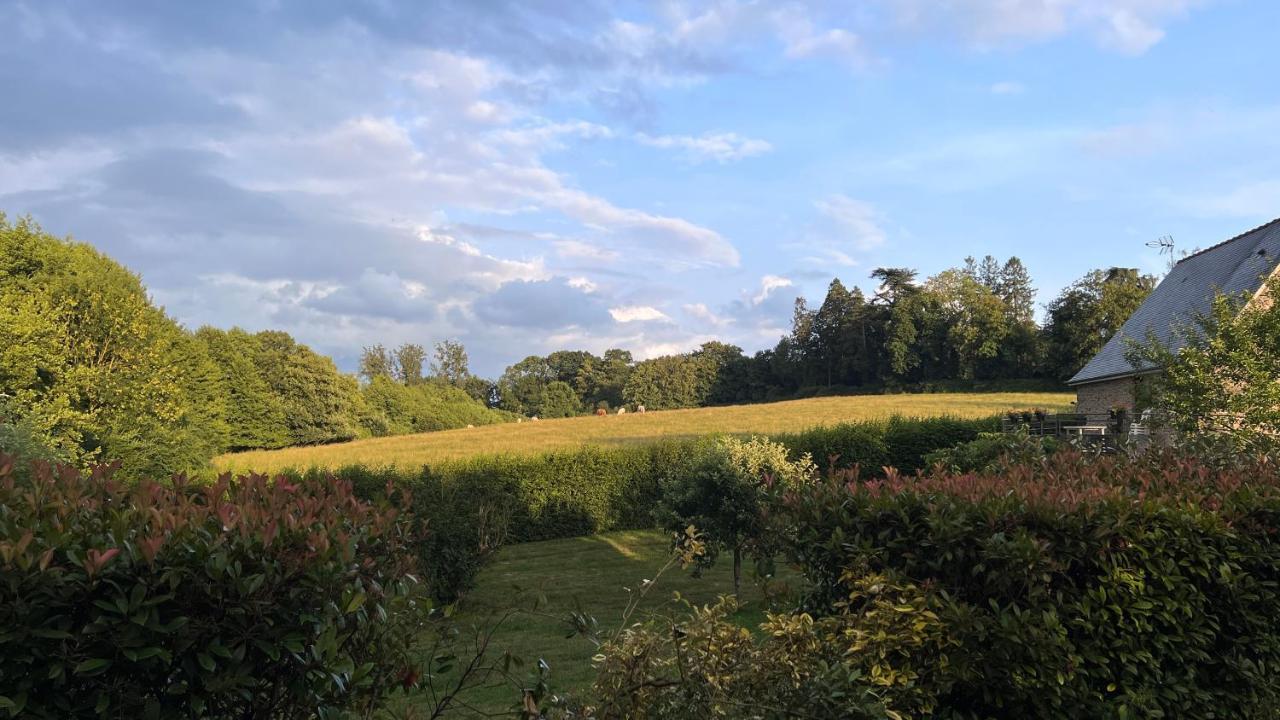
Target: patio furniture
(1083,430)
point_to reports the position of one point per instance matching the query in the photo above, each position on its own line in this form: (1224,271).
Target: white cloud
(855,221)
(634,313)
(721,147)
(768,284)
(1007,87)
(1127,26)
(700,311)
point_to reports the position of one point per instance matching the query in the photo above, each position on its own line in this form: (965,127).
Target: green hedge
(473,506)
(233,599)
(1072,587)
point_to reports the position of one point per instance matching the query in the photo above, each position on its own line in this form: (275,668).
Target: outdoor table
(1086,429)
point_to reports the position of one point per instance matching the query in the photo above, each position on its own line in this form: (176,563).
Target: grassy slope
(589,573)
(530,437)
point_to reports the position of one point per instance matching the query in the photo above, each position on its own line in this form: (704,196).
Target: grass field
(534,437)
(588,575)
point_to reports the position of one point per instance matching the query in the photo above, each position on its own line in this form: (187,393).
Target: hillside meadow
(534,437)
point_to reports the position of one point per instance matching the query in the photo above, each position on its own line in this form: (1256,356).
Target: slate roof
(1239,265)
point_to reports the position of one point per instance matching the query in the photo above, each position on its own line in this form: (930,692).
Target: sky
(533,176)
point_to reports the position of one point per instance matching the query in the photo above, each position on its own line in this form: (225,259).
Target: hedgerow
(473,506)
(1083,587)
(231,599)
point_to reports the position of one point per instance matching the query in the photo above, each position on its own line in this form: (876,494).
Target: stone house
(1239,266)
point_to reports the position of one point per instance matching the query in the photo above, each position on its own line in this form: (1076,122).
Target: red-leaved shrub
(246,597)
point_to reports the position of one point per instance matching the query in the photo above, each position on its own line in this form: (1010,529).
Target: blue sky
(535,176)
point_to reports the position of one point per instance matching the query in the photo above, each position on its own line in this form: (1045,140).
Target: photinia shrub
(241,598)
(1074,586)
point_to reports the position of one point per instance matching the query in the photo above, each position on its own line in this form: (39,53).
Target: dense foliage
(1223,386)
(726,492)
(1095,587)
(471,507)
(245,598)
(93,366)
(972,323)
(97,372)
(881,655)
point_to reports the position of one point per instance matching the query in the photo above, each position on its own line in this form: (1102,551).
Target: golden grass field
(534,437)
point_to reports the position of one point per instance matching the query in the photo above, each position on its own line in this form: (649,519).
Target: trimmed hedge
(471,507)
(232,599)
(1074,587)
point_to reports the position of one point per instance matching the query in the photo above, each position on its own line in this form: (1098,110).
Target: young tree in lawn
(1224,384)
(728,494)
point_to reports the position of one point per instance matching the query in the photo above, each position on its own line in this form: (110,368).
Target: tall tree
(975,318)
(376,362)
(1088,312)
(93,365)
(451,363)
(254,419)
(409,358)
(1015,289)
(320,404)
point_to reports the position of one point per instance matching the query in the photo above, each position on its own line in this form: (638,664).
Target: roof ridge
(1228,240)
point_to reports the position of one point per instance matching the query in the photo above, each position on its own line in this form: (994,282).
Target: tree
(320,404)
(409,358)
(727,494)
(254,419)
(895,284)
(975,319)
(450,363)
(1014,288)
(93,366)
(1088,312)
(559,401)
(376,362)
(1224,383)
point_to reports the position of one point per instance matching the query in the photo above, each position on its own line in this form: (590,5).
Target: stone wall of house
(1095,400)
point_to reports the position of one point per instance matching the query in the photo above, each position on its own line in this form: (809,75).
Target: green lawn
(591,574)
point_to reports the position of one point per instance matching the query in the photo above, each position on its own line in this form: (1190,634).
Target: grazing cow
(471,426)
(533,419)
(640,409)
(622,411)
(601,412)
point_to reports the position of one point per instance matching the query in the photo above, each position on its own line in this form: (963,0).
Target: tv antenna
(1165,243)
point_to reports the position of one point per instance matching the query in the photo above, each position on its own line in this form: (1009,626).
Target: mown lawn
(535,437)
(589,575)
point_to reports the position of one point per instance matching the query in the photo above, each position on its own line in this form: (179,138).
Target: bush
(879,656)
(990,451)
(1088,587)
(244,598)
(901,443)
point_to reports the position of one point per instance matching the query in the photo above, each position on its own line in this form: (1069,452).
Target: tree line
(96,372)
(89,364)
(972,322)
